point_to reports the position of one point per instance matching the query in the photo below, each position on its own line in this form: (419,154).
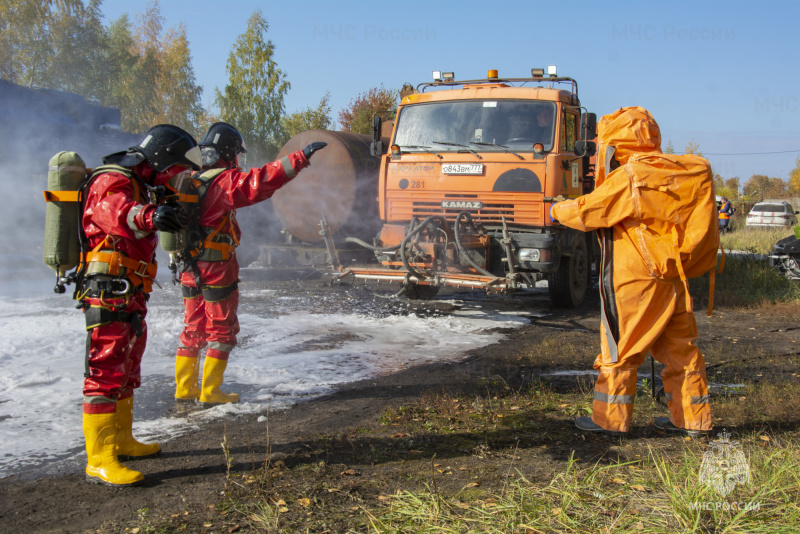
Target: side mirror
(588,126)
(376,147)
(585,148)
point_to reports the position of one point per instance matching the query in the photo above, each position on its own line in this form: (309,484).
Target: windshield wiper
(425,148)
(505,148)
(448,143)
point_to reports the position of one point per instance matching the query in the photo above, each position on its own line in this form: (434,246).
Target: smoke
(37,124)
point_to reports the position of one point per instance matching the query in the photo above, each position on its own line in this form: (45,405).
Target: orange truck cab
(467,181)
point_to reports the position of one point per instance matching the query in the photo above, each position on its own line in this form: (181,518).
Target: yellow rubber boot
(126,443)
(213,369)
(103,466)
(187,372)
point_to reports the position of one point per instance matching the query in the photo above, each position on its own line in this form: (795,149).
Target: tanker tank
(341,182)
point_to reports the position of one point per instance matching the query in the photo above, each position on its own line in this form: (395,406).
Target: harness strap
(190,292)
(685,281)
(99,316)
(216,293)
(114,263)
(225,250)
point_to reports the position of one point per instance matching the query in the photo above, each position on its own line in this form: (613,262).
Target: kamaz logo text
(462,204)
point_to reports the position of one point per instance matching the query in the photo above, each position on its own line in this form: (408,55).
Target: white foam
(287,352)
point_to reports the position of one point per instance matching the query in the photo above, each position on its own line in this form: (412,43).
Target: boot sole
(97,480)
(212,404)
(123,457)
(677,431)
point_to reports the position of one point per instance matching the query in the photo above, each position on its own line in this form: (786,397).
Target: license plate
(462,204)
(463,168)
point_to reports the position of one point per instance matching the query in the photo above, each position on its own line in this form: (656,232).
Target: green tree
(693,148)
(794,178)
(732,185)
(761,186)
(670,149)
(79,51)
(253,99)
(318,118)
(357,118)
(158,84)
(26,39)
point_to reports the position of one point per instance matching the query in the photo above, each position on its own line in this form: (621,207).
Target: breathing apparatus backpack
(195,242)
(62,250)
(693,239)
(65,245)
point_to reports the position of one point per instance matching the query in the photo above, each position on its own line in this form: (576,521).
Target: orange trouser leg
(634,316)
(614,393)
(685,382)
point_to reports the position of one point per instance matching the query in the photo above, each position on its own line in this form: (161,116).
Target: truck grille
(519,208)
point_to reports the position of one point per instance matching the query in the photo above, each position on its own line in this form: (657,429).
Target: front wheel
(568,285)
(420,292)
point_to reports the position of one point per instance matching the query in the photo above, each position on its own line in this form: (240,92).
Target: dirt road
(193,474)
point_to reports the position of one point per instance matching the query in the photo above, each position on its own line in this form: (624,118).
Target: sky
(721,74)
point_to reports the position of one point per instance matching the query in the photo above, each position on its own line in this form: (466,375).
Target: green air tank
(62,219)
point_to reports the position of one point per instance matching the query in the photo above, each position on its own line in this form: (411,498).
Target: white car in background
(772,213)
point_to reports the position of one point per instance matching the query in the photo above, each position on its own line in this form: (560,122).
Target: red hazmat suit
(642,212)
(211,310)
(117,221)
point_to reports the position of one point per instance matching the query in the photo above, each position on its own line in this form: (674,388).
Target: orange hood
(628,131)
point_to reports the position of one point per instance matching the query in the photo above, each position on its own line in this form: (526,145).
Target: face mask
(174,176)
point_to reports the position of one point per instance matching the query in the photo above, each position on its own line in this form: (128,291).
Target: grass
(660,494)
(755,240)
(745,281)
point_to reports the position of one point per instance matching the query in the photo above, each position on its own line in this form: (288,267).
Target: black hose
(392,296)
(413,231)
(460,248)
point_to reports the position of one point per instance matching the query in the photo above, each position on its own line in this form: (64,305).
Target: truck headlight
(529,254)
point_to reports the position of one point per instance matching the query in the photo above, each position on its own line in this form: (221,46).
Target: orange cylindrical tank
(341,182)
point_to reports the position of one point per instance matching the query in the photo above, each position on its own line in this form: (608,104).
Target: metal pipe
(460,248)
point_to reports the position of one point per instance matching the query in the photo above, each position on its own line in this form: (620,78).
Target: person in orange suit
(644,293)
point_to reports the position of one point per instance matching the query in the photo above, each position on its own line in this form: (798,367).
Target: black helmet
(163,146)
(221,141)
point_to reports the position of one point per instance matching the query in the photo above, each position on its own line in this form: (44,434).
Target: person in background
(119,225)
(725,214)
(209,281)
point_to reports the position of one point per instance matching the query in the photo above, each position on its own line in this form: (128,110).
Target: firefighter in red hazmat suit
(210,273)
(119,224)
(645,302)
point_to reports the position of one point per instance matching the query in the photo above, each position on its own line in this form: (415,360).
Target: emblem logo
(462,204)
(725,465)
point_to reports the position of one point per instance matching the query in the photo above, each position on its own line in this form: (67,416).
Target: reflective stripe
(608,303)
(701,399)
(134,211)
(668,397)
(613,399)
(97,399)
(287,167)
(222,347)
(68,168)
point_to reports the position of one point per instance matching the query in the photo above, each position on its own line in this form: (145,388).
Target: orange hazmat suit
(651,242)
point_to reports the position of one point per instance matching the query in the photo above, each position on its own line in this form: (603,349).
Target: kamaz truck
(466,184)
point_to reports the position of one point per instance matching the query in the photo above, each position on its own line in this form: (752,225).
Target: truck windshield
(514,124)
